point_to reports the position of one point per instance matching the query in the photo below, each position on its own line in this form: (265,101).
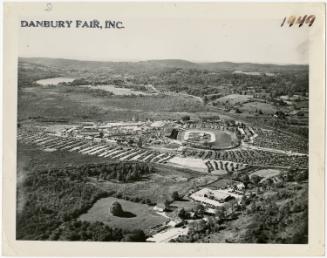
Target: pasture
(145,217)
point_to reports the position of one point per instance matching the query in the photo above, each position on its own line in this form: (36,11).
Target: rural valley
(162,151)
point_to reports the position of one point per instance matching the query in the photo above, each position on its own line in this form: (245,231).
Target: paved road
(290,153)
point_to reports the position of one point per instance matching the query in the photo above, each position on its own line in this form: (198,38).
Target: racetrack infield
(222,139)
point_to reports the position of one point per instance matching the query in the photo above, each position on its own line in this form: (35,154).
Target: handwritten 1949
(299,20)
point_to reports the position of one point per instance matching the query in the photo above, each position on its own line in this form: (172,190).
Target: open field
(266,173)
(145,217)
(54,81)
(234,99)
(76,104)
(221,183)
(157,187)
(194,163)
(117,91)
(255,107)
(247,73)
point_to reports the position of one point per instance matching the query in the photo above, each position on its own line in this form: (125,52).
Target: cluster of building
(124,133)
(299,104)
(213,199)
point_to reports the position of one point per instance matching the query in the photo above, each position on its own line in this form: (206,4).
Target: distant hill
(157,65)
(170,63)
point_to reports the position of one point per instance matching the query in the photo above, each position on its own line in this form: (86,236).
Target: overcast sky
(201,38)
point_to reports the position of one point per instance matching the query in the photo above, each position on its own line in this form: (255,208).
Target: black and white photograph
(179,126)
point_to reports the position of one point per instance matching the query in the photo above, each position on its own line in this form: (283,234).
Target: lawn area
(145,217)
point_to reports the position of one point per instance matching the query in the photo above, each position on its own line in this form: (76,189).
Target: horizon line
(162,59)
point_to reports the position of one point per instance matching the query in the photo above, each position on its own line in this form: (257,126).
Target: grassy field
(157,187)
(222,183)
(255,107)
(54,81)
(118,91)
(266,173)
(234,99)
(76,103)
(145,217)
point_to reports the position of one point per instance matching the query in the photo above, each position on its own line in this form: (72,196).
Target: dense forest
(202,82)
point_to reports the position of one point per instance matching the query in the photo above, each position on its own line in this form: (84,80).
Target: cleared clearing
(145,218)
